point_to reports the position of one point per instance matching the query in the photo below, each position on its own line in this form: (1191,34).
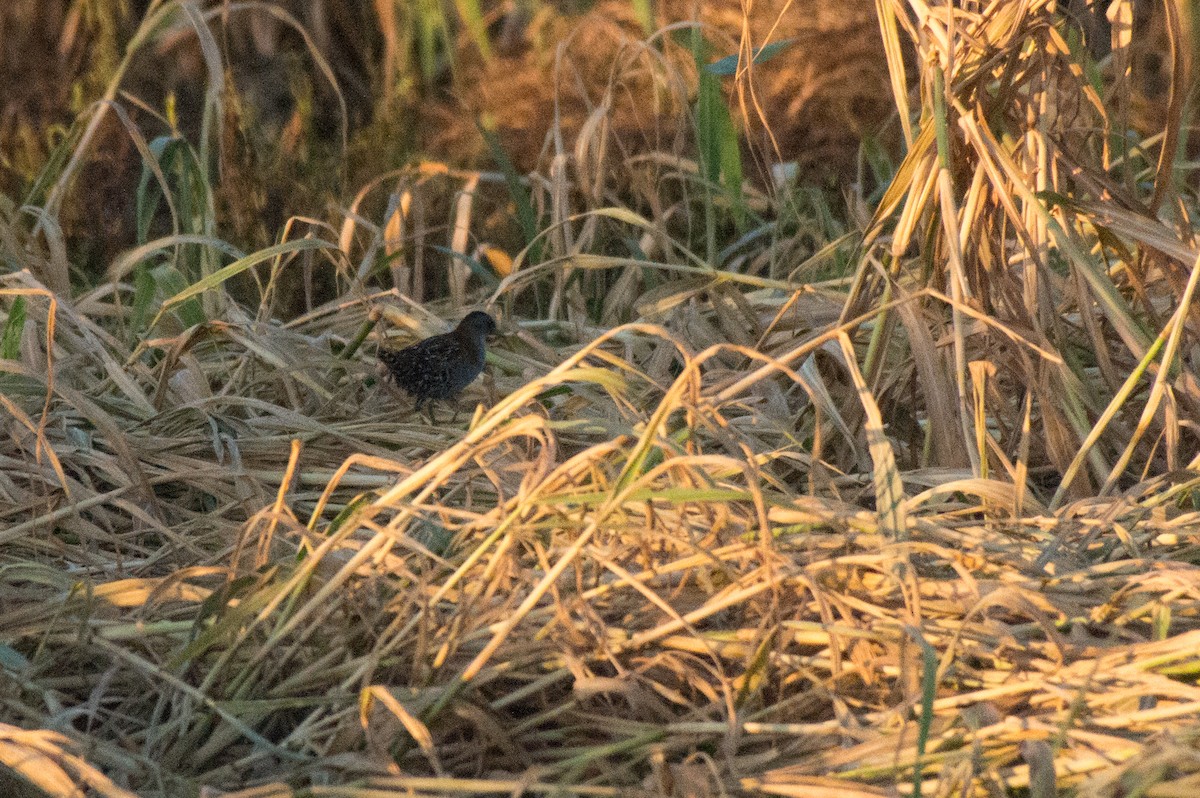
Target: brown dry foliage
(724,528)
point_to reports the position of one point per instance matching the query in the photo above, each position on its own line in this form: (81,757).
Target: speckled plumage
(441,366)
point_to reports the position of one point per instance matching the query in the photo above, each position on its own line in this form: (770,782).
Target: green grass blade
(237,267)
(10,343)
(526,215)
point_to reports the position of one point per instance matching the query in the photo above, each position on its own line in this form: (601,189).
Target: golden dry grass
(849,508)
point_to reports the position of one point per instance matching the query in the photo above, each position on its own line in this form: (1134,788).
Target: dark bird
(441,366)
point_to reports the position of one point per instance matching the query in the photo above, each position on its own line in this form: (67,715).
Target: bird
(441,366)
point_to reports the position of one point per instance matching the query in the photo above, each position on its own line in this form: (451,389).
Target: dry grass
(717,525)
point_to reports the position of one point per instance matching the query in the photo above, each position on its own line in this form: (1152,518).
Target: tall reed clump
(1043,316)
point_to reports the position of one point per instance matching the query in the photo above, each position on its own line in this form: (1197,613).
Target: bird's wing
(398,361)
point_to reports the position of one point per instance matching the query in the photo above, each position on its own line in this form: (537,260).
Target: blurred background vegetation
(321,97)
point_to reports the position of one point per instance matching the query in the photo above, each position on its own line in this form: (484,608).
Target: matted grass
(752,499)
(628,584)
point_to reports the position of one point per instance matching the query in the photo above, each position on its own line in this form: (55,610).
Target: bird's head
(477,326)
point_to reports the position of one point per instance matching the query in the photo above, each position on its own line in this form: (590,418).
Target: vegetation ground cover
(767,490)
